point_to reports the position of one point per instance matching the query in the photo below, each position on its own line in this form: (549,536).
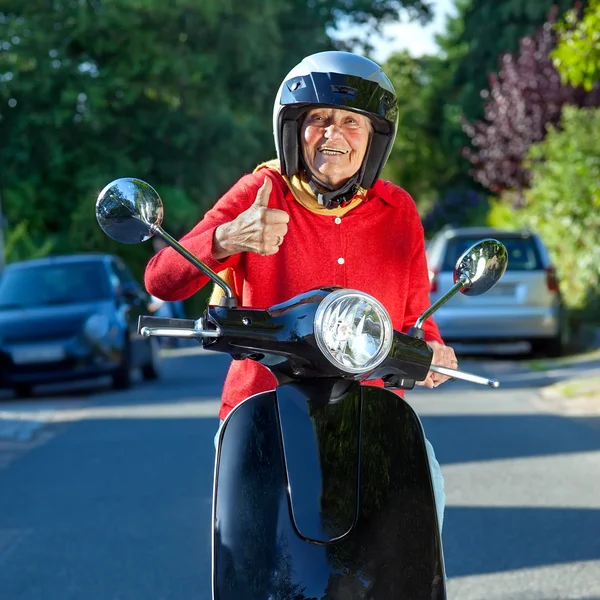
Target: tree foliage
(177,93)
(486,30)
(524,99)
(473,41)
(421,159)
(442,91)
(577,55)
(417,159)
(563,202)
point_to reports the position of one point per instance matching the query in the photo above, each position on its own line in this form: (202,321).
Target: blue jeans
(437,479)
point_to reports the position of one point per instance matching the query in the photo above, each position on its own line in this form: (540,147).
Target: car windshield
(523,254)
(57,283)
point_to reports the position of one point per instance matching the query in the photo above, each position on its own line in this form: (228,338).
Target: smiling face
(334,143)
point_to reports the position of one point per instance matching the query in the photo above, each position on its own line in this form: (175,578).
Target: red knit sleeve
(418,297)
(171,277)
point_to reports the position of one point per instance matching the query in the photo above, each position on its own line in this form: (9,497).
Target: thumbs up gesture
(258,229)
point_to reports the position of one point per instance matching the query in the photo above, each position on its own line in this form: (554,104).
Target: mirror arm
(228,300)
(417,329)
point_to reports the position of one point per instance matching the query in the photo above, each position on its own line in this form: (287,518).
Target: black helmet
(338,80)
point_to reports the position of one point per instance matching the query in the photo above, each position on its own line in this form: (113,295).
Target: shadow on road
(481,540)
(474,438)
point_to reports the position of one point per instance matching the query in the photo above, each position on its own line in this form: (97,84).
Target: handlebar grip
(165,322)
(395,381)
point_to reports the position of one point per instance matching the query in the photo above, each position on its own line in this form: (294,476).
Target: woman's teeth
(332,151)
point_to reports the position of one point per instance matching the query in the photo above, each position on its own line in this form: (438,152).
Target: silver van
(525,305)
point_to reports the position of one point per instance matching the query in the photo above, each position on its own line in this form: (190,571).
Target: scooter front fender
(323,492)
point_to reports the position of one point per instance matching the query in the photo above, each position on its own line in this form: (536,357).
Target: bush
(563,203)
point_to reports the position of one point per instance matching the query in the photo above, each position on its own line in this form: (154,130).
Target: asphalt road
(106,495)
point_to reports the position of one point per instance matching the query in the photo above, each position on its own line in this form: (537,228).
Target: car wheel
(548,347)
(122,376)
(23,390)
(151,371)
(554,347)
(557,345)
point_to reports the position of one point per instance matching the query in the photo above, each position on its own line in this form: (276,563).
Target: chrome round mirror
(127,209)
(481,266)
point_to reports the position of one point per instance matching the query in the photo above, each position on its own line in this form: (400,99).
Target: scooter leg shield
(325,495)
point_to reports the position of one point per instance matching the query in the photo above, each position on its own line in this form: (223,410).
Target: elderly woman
(316,216)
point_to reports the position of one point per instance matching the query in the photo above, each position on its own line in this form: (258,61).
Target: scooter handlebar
(456,374)
(179,328)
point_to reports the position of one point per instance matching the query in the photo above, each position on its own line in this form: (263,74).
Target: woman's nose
(333,131)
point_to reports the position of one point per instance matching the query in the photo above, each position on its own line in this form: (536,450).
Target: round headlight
(353,330)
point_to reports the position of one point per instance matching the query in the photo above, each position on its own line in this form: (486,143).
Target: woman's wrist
(219,245)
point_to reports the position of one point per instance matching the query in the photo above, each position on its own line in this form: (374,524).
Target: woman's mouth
(332,151)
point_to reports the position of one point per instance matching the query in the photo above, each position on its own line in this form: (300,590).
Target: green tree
(416,162)
(178,93)
(128,87)
(577,55)
(420,160)
(563,203)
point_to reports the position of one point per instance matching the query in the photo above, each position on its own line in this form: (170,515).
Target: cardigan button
(341,261)
(337,221)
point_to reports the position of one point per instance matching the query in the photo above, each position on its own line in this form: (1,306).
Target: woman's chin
(333,177)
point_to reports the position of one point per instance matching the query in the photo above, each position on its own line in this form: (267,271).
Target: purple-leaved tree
(524,98)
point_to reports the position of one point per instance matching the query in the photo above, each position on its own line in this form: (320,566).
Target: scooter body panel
(323,492)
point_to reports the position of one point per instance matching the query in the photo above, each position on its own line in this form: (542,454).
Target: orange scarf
(303,193)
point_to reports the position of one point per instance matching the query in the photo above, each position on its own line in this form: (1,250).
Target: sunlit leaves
(577,56)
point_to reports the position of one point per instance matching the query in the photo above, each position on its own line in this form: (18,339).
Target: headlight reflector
(353,330)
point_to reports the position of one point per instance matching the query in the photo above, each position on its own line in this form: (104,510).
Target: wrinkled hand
(443,356)
(258,229)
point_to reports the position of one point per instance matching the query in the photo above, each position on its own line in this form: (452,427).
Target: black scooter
(322,487)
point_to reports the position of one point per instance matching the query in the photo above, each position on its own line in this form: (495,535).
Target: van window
(523,254)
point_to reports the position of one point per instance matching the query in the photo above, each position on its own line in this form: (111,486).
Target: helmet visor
(341,91)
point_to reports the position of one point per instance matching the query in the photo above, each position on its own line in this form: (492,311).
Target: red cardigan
(377,248)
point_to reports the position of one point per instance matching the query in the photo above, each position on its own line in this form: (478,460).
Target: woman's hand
(259,229)
(443,356)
